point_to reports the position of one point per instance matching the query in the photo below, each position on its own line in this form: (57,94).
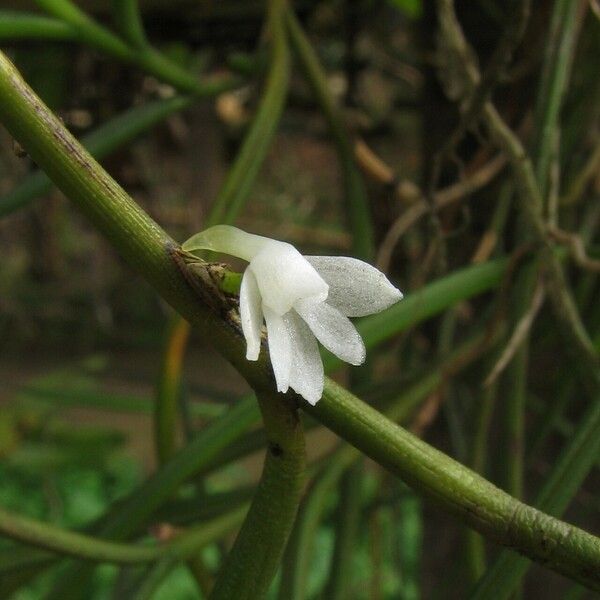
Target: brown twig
(377,169)
(518,336)
(576,248)
(442,199)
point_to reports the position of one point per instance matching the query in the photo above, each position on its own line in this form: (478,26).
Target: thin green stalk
(81,546)
(154,578)
(86,28)
(296,561)
(90,33)
(551,415)
(255,556)
(555,77)
(475,545)
(354,187)
(516,380)
(241,177)
(25,26)
(100,143)
(514,416)
(129,21)
(348,525)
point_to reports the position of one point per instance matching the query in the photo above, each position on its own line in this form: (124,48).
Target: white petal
(355,287)
(284,276)
(333,330)
(251,314)
(228,240)
(280,349)
(306,374)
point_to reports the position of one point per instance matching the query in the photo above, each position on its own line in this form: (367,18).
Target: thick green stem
(255,556)
(566,477)
(471,498)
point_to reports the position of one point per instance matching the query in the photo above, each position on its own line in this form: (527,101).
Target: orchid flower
(302,299)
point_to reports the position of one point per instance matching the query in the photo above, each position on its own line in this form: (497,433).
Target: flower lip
(284,276)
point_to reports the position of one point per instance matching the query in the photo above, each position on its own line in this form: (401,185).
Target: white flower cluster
(302,299)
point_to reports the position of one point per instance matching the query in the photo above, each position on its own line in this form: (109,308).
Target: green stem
(348,525)
(154,579)
(241,177)
(140,240)
(525,289)
(573,466)
(255,556)
(129,20)
(475,545)
(145,246)
(17,25)
(296,561)
(90,33)
(70,543)
(555,76)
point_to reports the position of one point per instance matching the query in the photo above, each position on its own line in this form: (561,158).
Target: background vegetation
(456,147)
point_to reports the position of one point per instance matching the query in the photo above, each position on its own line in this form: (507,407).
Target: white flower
(300,298)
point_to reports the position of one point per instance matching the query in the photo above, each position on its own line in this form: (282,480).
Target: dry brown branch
(375,167)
